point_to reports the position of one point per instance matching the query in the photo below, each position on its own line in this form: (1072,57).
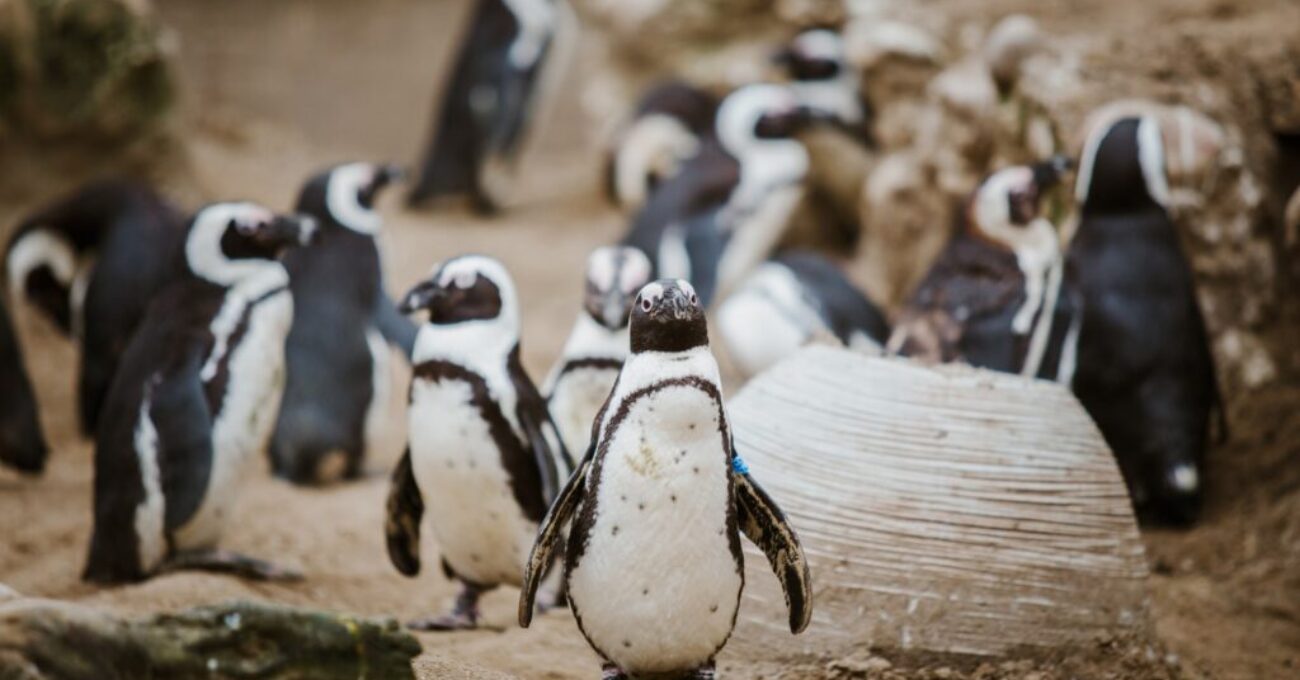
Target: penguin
(91,262)
(665,132)
(654,569)
(1145,370)
(193,401)
(814,60)
(336,359)
(22,444)
(999,296)
(497,87)
(483,455)
(589,364)
(790,300)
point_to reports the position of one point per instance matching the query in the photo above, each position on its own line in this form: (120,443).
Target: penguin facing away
(22,444)
(336,384)
(1145,370)
(194,400)
(585,373)
(665,132)
(654,569)
(483,457)
(791,300)
(501,74)
(999,295)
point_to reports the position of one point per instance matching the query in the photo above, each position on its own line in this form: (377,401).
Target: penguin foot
(611,672)
(226,562)
(446,622)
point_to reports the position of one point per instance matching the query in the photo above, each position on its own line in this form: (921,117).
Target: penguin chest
(575,400)
(658,585)
(481,531)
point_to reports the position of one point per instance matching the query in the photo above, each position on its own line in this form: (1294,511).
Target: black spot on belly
(473,465)
(450,465)
(696,469)
(692,426)
(645,591)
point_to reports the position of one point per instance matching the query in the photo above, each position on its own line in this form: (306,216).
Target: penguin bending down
(194,400)
(483,456)
(664,133)
(503,71)
(336,385)
(22,444)
(581,380)
(790,300)
(91,262)
(1145,374)
(999,295)
(654,569)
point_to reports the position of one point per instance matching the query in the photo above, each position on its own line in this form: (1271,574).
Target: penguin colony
(615,488)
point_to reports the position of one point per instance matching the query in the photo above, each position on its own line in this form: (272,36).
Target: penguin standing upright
(999,295)
(589,364)
(91,262)
(492,97)
(22,444)
(822,78)
(194,400)
(654,569)
(336,385)
(484,456)
(665,132)
(1145,371)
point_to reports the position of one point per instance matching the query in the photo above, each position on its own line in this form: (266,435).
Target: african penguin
(581,380)
(502,73)
(91,262)
(654,569)
(999,295)
(483,454)
(336,383)
(664,133)
(22,444)
(790,300)
(194,400)
(822,79)
(1145,371)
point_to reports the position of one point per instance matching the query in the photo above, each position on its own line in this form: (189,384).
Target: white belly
(248,411)
(658,587)
(480,529)
(575,401)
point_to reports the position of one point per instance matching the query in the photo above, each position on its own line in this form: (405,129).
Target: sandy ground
(1226,596)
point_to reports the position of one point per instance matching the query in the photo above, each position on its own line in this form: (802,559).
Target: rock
(905,225)
(871,44)
(1011,41)
(1254,368)
(966,88)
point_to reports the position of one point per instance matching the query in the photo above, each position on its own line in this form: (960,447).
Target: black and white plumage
(1146,373)
(654,569)
(194,400)
(999,296)
(790,300)
(336,387)
(91,262)
(585,373)
(22,444)
(484,458)
(491,98)
(821,77)
(665,131)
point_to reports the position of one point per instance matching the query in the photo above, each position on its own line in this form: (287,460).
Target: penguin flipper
(763,523)
(548,536)
(397,330)
(402,524)
(535,419)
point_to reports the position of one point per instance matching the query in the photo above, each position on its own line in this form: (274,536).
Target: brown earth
(273,91)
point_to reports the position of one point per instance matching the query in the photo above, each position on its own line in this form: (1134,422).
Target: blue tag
(738,464)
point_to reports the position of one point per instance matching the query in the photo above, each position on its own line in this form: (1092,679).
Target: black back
(694,107)
(22,445)
(842,306)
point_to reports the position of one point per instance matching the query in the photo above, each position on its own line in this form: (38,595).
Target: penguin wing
(535,419)
(548,536)
(763,522)
(704,183)
(402,524)
(398,330)
(183,421)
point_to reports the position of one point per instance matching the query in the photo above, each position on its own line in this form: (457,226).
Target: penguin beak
(419,297)
(291,230)
(675,305)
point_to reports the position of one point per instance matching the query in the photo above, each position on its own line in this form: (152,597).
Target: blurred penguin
(664,133)
(22,445)
(822,79)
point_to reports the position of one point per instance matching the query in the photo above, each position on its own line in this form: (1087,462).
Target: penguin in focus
(999,296)
(502,73)
(792,299)
(194,400)
(665,132)
(654,569)
(336,384)
(22,444)
(585,373)
(483,456)
(91,262)
(1145,370)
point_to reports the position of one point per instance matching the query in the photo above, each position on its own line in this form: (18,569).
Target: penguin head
(465,288)
(227,242)
(667,316)
(759,113)
(42,265)
(345,195)
(814,55)
(614,275)
(1008,201)
(1122,169)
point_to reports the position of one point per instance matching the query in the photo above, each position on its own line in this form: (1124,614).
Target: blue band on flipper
(738,464)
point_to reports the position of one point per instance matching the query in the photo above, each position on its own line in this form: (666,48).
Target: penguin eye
(694,299)
(645,304)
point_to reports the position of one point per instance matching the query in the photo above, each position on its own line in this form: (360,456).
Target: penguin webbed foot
(611,672)
(464,614)
(232,563)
